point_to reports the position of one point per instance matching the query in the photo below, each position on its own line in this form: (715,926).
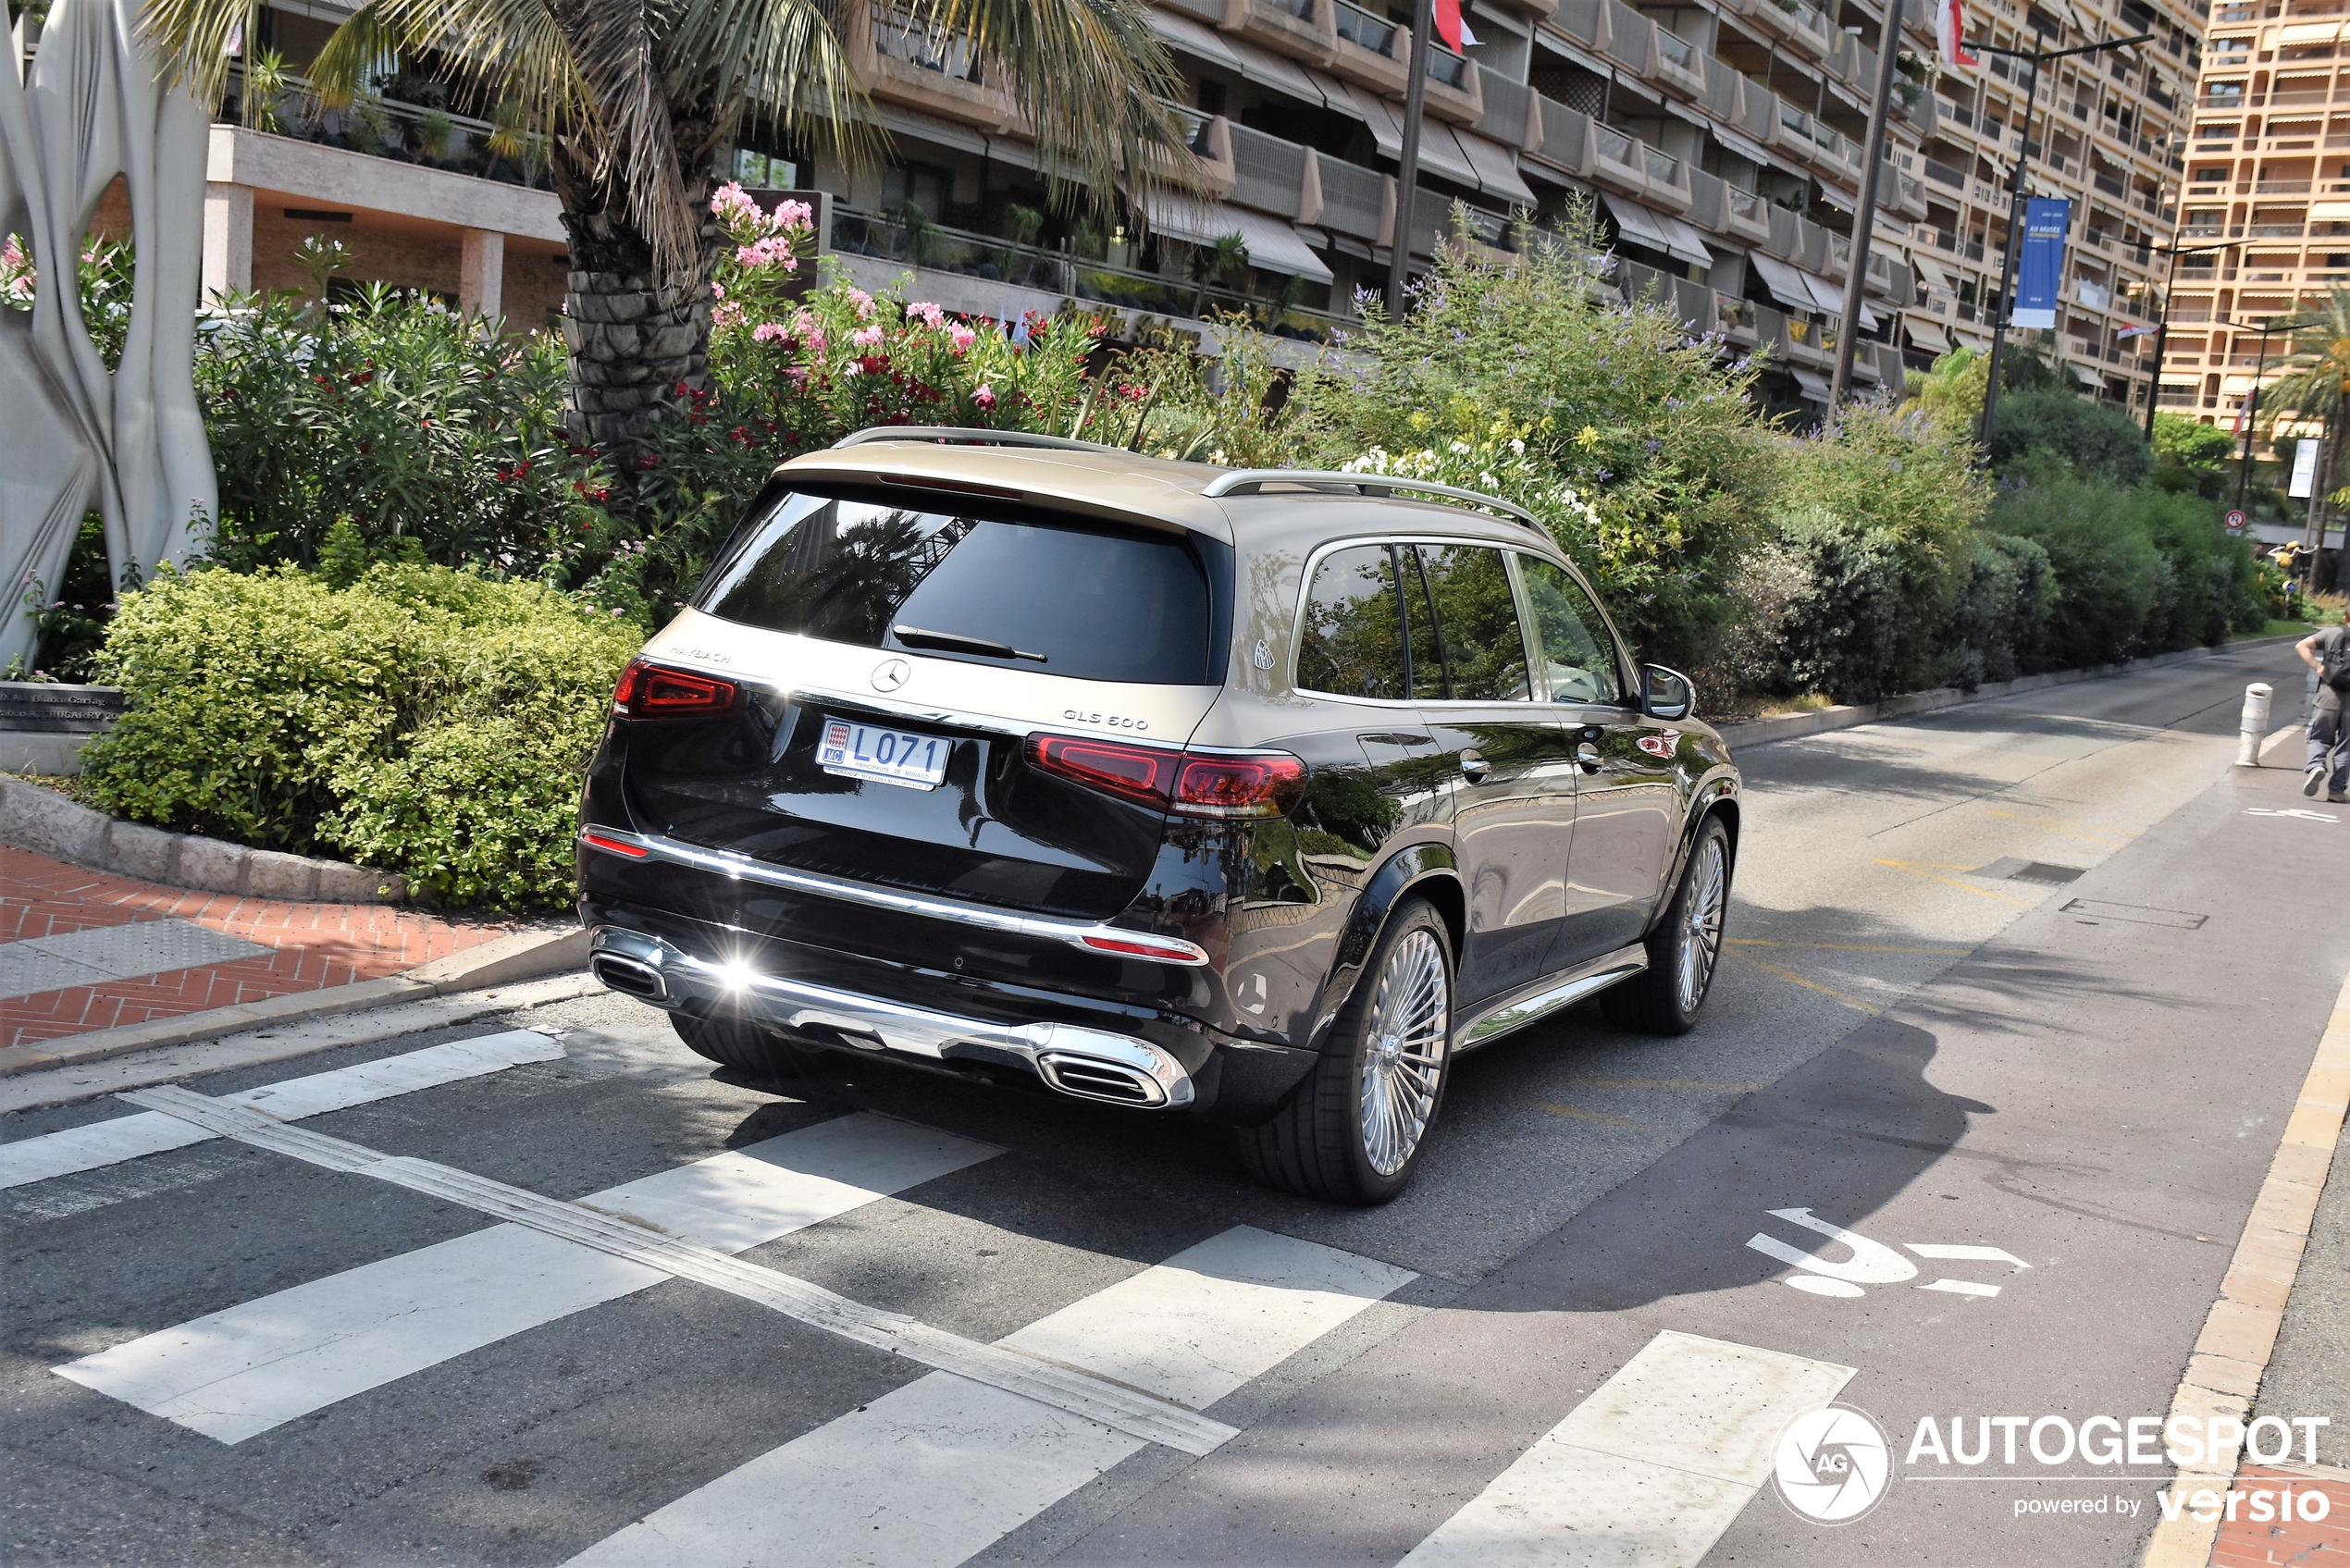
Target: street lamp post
(2252,397)
(2162,327)
(1864,221)
(2004,306)
(1408,173)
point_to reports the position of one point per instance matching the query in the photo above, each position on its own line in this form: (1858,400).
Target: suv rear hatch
(894,659)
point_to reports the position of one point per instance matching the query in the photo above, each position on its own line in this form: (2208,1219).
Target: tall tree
(639,96)
(2315,385)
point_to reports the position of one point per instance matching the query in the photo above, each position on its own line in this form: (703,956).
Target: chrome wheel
(1405,1047)
(1701,923)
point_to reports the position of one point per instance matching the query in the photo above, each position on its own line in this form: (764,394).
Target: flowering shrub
(1495,459)
(105,290)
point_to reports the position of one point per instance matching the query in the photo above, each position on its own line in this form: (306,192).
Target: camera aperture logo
(1833,1465)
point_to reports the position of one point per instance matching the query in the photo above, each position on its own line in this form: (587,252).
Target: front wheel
(1355,1130)
(1685,947)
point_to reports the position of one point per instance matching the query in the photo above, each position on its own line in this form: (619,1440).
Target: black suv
(1254,792)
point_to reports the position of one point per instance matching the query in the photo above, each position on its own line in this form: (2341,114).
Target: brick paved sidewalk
(2248,1543)
(84,950)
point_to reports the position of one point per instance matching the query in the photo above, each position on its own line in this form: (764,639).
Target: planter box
(45,725)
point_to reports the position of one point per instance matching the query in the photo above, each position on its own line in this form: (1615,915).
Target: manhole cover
(2134,914)
(2013,870)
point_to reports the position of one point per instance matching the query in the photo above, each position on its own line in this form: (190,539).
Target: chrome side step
(1532,1004)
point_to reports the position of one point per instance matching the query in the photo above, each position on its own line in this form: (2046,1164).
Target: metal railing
(901,35)
(385,128)
(1364,31)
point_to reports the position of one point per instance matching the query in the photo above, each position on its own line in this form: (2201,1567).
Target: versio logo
(1833,1465)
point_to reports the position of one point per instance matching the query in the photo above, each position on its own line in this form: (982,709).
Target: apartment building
(2268,186)
(1718,139)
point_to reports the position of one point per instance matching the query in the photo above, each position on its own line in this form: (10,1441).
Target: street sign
(2235,522)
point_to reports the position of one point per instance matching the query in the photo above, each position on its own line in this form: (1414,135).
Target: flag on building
(1950,27)
(1451,28)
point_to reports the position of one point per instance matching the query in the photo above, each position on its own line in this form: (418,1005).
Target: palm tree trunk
(632,342)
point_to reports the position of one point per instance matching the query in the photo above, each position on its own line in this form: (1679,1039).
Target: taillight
(655,691)
(614,845)
(1255,785)
(1138,772)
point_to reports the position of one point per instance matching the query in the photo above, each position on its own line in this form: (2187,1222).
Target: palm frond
(617,49)
(496,50)
(781,64)
(194,37)
(1095,82)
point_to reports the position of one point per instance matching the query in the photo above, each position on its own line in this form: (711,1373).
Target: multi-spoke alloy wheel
(1709,894)
(1354,1130)
(1403,1052)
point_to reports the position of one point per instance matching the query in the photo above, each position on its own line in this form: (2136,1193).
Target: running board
(1547,995)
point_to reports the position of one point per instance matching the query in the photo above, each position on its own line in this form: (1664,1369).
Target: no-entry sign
(2235,522)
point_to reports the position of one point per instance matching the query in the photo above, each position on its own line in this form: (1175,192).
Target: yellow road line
(1580,1115)
(1847,947)
(1918,870)
(1789,975)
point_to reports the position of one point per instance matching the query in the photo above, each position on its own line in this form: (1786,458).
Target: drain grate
(2134,914)
(2013,870)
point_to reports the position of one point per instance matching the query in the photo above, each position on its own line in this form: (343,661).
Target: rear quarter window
(1068,596)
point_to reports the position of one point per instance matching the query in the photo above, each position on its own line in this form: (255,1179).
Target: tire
(1346,1135)
(1686,947)
(739,1043)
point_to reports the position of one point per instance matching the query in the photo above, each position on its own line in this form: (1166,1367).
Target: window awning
(1967,340)
(1928,335)
(1731,141)
(1659,232)
(1840,200)
(1267,69)
(929,128)
(2329,212)
(1930,270)
(2308,32)
(1815,387)
(1272,245)
(1192,37)
(1334,92)
(1786,282)
(1496,168)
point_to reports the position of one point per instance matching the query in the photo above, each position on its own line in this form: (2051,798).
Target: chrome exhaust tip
(629,976)
(1091,1077)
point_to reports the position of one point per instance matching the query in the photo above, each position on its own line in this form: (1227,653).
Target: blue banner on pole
(2040,270)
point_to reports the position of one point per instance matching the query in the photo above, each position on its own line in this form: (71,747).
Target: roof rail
(962,434)
(1251,481)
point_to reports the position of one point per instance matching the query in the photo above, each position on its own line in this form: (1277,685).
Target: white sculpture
(94,104)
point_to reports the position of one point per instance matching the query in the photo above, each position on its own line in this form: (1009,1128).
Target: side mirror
(1666,694)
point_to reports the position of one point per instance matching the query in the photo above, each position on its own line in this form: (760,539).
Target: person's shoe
(2338,798)
(2314,779)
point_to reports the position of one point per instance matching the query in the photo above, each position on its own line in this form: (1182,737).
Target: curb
(524,954)
(2232,1353)
(48,823)
(1847,716)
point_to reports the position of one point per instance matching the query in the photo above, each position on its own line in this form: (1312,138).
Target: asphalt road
(2035,980)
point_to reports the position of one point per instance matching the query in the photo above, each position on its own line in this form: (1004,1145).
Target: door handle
(1474,768)
(1589,755)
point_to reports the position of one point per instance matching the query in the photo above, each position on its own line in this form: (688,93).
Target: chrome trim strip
(1073,932)
(1530,1003)
(894,1026)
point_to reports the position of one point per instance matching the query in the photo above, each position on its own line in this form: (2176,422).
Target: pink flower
(962,338)
(730,200)
(853,369)
(769,332)
(726,316)
(867,337)
(717,289)
(985,396)
(795,215)
(772,251)
(927,314)
(863,300)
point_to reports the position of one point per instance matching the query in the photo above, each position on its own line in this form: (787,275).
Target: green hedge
(423,721)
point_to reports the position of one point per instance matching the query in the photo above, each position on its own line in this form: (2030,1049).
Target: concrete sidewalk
(83,951)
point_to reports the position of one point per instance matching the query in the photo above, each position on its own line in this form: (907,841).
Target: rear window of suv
(1063,595)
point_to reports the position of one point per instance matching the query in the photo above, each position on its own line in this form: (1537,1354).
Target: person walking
(2327,651)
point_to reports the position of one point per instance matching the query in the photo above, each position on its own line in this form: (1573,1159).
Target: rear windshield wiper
(954,642)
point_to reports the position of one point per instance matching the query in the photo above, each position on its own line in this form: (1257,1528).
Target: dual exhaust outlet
(1086,1064)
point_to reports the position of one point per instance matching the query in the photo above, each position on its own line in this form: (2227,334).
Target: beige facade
(2269,176)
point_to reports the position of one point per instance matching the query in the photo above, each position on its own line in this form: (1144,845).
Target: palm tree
(2315,381)
(638,96)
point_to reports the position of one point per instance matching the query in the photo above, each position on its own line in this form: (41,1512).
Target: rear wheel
(1685,947)
(1355,1130)
(746,1046)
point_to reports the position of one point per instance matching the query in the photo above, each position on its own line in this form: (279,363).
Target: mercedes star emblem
(890,674)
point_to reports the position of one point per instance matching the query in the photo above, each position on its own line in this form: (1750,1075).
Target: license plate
(885,755)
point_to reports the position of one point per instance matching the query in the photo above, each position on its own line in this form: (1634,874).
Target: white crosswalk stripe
(101,1143)
(937,1470)
(1650,1470)
(233,1374)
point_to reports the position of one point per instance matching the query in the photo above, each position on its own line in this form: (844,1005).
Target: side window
(1351,641)
(1419,622)
(1576,643)
(1477,619)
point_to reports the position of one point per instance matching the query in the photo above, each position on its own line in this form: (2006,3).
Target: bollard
(2254,725)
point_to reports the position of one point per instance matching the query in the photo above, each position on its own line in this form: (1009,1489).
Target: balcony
(385,127)
(1370,49)
(1748,215)
(1304,29)
(1619,161)
(1270,174)
(1628,37)
(1668,181)
(1567,139)
(1680,68)
(1355,201)
(1455,87)
(1799,24)
(1509,115)
(904,60)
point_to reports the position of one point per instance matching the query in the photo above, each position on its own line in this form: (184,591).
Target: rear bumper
(1090,1048)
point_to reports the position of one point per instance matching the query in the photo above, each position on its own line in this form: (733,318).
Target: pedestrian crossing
(1651,1468)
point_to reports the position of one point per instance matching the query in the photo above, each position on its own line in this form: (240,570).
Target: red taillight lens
(614,845)
(655,691)
(1254,785)
(1138,772)
(1238,786)
(1166,949)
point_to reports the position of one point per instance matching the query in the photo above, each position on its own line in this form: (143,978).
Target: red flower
(650,460)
